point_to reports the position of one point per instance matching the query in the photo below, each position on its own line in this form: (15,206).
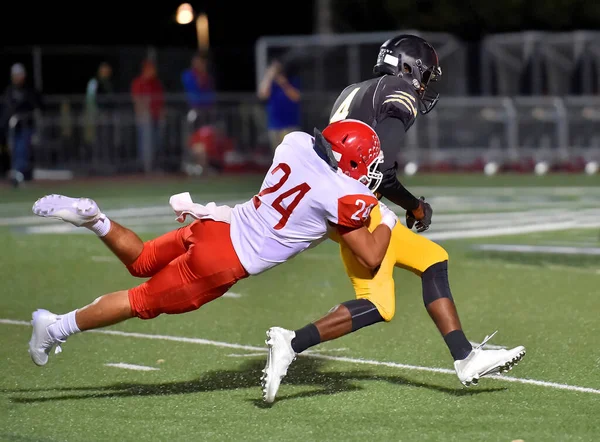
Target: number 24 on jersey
(298,192)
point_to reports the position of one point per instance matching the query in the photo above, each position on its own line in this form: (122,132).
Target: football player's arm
(391,132)
(368,247)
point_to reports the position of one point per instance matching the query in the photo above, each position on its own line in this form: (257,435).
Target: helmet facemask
(428,96)
(373,177)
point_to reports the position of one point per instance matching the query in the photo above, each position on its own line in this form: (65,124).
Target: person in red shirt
(148,101)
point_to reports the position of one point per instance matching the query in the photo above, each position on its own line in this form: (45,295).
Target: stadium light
(202,31)
(185,14)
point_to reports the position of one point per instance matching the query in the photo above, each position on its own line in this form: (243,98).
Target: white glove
(183,205)
(388,217)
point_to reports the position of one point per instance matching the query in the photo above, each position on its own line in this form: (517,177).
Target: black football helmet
(414,60)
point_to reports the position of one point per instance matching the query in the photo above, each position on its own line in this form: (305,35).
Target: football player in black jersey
(390,103)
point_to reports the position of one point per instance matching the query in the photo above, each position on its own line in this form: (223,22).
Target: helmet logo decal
(390,59)
(387,56)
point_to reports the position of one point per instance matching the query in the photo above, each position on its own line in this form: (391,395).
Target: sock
(306,337)
(64,327)
(101,226)
(458,344)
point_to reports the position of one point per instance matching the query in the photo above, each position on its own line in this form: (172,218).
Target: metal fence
(460,131)
(542,63)
(110,140)
(330,62)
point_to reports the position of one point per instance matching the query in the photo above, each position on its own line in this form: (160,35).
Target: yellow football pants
(407,250)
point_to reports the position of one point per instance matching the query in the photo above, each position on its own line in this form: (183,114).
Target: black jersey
(389,105)
(374,100)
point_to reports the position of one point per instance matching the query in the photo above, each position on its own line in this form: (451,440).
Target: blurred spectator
(99,87)
(20,106)
(198,83)
(98,90)
(282,96)
(148,100)
(208,147)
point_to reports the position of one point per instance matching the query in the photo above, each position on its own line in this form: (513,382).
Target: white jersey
(299,198)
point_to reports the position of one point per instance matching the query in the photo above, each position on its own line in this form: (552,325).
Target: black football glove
(421,216)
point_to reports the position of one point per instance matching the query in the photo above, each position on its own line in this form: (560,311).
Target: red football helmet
(357,150)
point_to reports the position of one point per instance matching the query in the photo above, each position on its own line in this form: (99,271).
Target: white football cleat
(281,355)
(41,343)
(482,362)
(77,211)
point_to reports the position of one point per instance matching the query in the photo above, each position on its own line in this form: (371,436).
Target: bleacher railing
(460,132)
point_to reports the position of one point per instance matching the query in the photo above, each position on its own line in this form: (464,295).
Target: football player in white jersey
(315,184)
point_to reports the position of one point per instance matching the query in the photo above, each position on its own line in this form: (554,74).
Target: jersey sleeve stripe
(404,101)
(406,94)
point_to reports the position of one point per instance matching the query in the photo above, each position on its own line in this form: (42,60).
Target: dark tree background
(468,19)
(236,25)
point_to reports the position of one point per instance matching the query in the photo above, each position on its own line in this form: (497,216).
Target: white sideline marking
(559,250)
(305,353)
(131,366)
(262,350)
(246,355)
(232,295)
(517,230)
(325,350)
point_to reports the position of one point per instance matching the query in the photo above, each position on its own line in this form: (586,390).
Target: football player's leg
(375,302)
(430,261)
(206,271)
(145,259)
(341,320)
(142,259)
(84,212)
(154,254)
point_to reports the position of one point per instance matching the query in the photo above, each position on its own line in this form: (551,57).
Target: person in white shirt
(314,184)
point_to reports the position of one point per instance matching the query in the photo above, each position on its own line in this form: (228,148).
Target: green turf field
(388,382)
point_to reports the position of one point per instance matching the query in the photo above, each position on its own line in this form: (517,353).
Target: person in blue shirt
(282,96)
(198,83)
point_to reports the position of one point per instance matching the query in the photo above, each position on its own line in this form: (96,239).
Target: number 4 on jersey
(299,191)
(344,109)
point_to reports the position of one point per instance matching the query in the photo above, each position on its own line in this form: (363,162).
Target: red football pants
(188,267)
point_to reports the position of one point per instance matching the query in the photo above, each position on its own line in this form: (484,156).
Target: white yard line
(246,355)
(232,295)
(131,366)
(465,226)
(262,350)
(510,230)
(558,250)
